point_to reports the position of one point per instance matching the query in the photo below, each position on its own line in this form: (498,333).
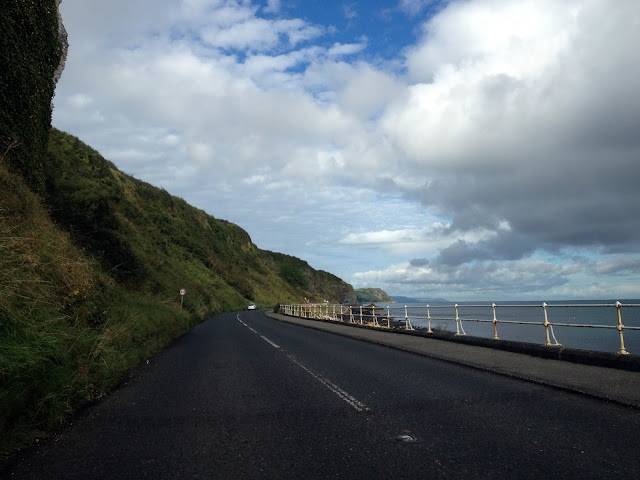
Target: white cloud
(341,49)
(273,6)
(503,116)
(618,265)
(413,7)
(472,280)
(255,180)
(260,34)
(349,11)
(80,100)
(427,240)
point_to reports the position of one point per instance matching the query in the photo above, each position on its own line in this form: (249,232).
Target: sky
(467,150)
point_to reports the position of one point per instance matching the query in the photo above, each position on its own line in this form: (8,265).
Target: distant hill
(368,295)
(401,299)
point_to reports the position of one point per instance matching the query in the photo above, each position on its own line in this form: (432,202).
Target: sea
(593,322)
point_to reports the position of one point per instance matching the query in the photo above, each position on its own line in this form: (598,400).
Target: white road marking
(351,400)
(270,342)
(238,317)
(354,402)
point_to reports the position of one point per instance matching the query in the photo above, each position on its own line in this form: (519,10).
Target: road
(245,396)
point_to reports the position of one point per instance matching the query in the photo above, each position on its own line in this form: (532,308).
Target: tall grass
(68,333)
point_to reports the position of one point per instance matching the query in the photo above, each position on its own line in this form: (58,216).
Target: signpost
(183,292)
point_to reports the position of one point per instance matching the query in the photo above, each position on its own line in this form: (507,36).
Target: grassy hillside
(151,241)
(68,332)
(321,285)
(90,272)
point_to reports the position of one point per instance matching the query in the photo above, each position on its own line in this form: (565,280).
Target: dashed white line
(354,402)
(351,400)
(269,342)
(238,317)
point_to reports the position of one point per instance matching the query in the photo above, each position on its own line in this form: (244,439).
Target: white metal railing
(398,316)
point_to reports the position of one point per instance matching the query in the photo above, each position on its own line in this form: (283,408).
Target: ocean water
(601,313)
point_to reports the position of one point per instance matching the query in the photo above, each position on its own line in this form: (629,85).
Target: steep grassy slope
(68,332)
(89,278)
(320,284)
(154,242)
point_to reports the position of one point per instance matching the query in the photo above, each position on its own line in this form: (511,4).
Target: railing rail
(401,316)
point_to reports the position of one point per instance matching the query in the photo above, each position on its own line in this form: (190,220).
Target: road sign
(182,291)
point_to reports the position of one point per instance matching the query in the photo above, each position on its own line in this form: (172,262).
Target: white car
(252,306)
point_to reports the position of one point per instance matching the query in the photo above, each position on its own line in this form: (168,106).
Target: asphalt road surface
(245,396)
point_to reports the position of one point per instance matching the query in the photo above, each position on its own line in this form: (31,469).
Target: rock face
(64,44)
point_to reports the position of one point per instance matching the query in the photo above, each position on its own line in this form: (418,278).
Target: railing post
(457,321)
(620,328)
(546,324)
(429,321)
(373,315)
(361,321)
(388,317)
(406,318)
(495,323)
